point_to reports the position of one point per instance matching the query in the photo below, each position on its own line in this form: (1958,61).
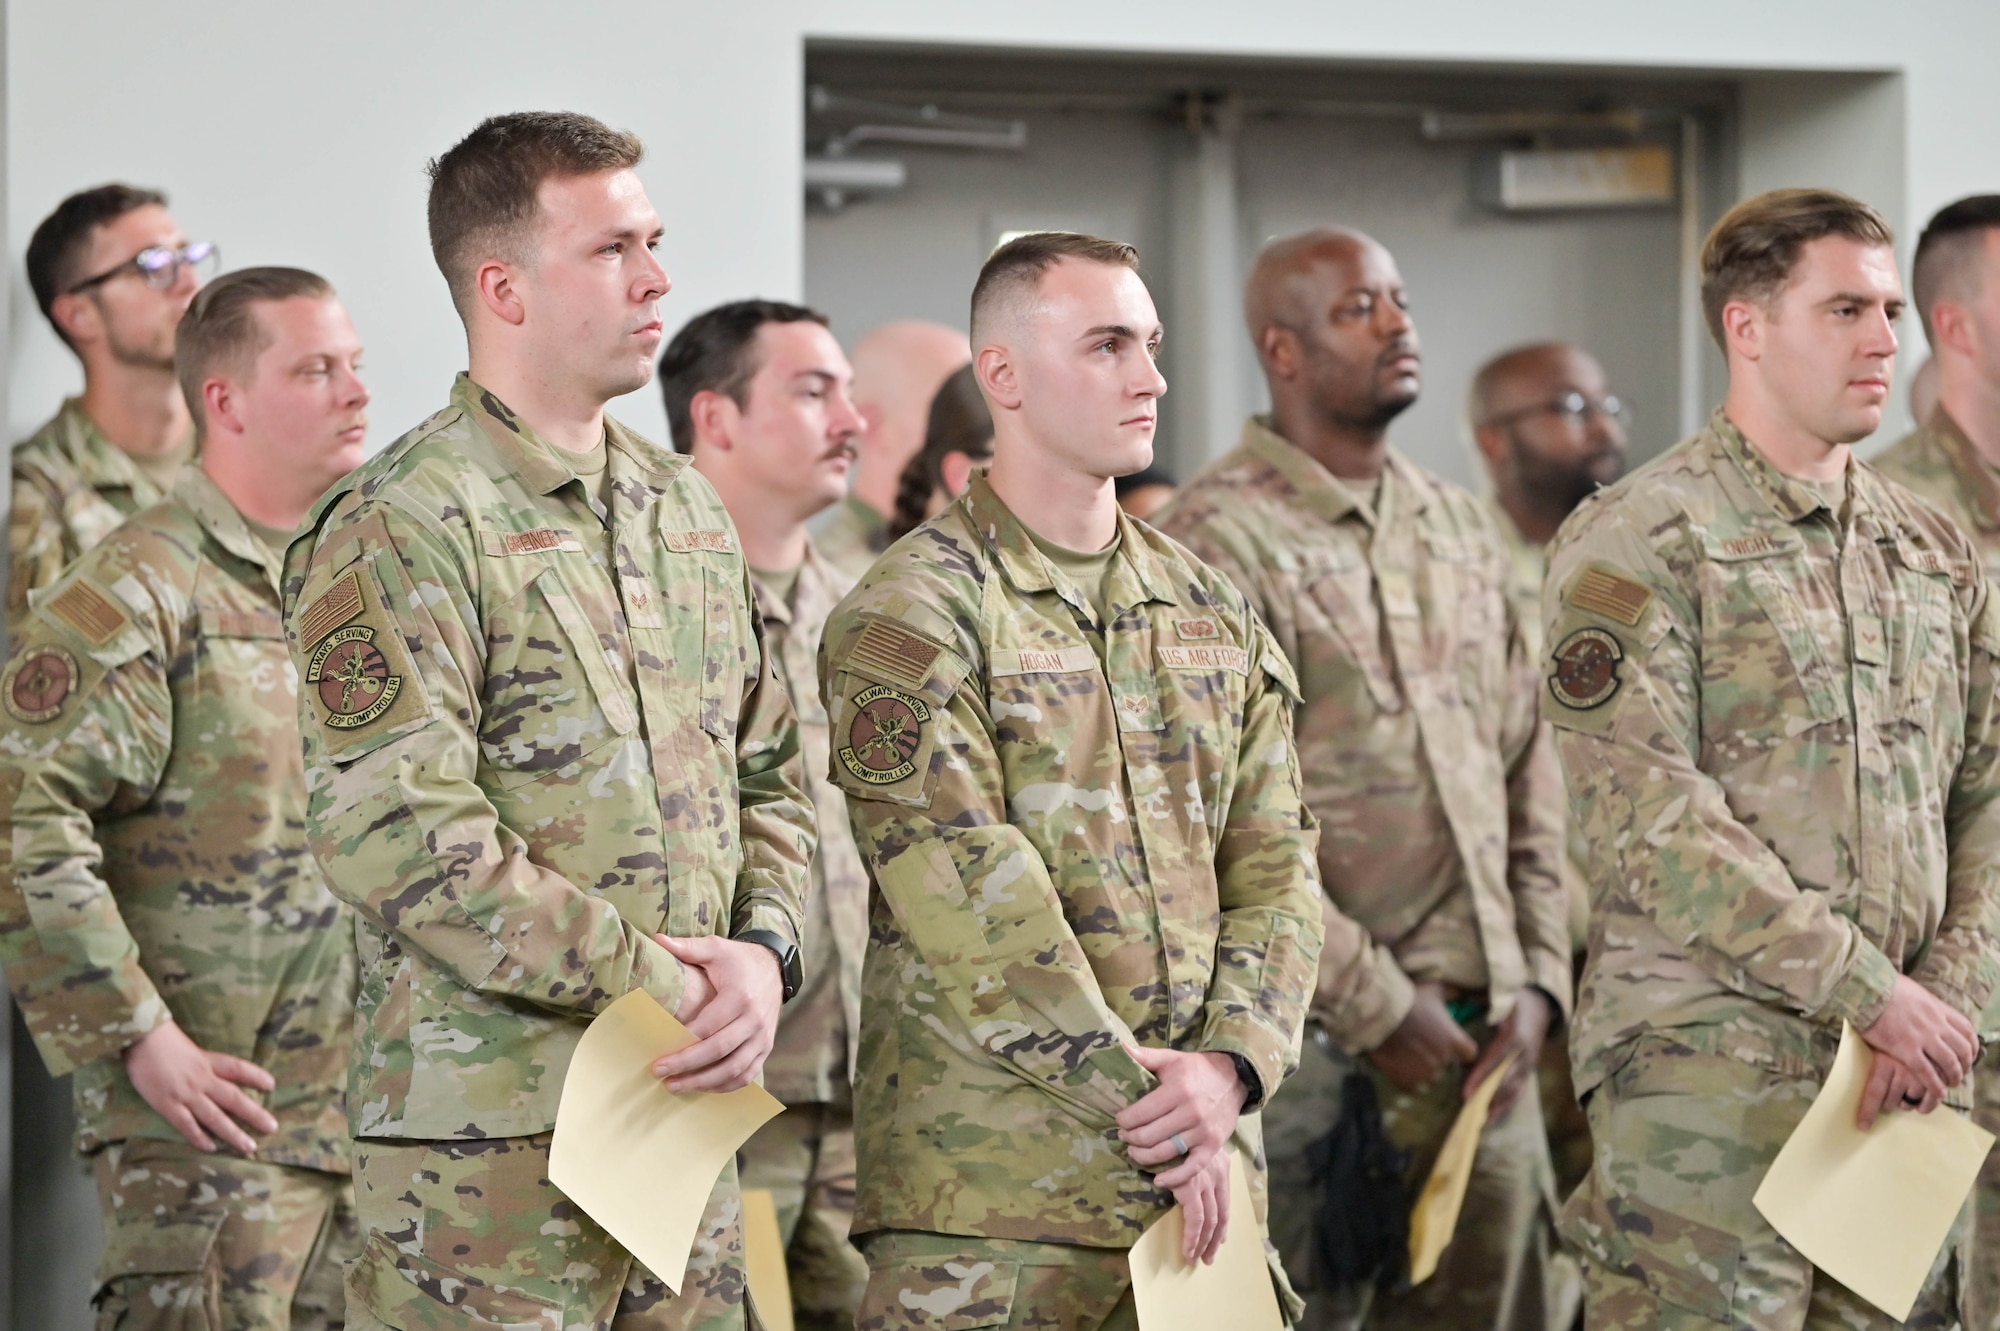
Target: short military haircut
(716,352)
(1008,280)
(483,191)
(1948,255)
(1752,251)
(221,333)
(56,250)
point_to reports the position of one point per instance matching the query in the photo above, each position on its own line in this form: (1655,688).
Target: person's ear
(1278,348)
(78,316)
(955,470)
(221,407)
(1744,325)
(497,292)
(714,417)
(999,377)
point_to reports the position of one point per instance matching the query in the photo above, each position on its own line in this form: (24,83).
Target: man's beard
(1556,488)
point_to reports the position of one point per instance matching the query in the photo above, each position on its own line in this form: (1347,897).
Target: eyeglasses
(1573,407)
(161,265)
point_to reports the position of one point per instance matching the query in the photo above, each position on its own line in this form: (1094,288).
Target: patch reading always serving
(884,735)
(1602,592)
(89,611)
(341,603)
(37,684)
(1586,669)
(353,677)
(903,656)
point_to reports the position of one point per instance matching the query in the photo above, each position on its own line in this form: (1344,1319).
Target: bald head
(1330,320)
(898,369)
(1292,275)
(1528,375)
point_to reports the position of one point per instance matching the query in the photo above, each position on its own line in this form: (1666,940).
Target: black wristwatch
(785,950)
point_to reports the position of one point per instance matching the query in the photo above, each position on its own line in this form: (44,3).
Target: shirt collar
(196,491)
(1028,570)
(1793,500)
(1405,489)
(541,465)
(102,464)
(1976,477)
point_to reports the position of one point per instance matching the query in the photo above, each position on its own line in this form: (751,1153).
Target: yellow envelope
(640,1159)
(764,1255)
(1871,1209)
(1434,1218)
(1234,1292)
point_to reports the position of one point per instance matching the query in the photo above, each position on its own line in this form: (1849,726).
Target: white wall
(298,133)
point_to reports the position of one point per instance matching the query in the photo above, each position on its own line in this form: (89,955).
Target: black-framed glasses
(160,265)
(1573,407)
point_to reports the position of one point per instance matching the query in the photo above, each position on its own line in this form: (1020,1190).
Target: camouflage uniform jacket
(152,807)
(71,487)
(1938,462)
(851,536)
(1435,787)
(1781,738)
(1527,569)
(1079,837)
(820,1029)
(535,736)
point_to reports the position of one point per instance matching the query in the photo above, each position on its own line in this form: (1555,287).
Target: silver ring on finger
(1180,1144)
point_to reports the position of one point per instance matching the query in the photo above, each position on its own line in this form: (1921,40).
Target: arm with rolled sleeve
(403,831)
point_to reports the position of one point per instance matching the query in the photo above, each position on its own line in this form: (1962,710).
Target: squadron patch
(1586,669)
(884,735)
(353,677)
(37,684)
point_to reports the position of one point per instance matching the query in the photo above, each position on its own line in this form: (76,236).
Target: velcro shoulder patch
(893,654)
(38,682)
(98,617)
(360,678)
(1601,590)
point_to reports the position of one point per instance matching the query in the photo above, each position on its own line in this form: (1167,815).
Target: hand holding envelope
(641,1160)
(1871,1209)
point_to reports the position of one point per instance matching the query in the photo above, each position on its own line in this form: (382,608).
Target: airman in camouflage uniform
(1776,704)
(154,809)
(757,395)
(72,485)
(1433,783)
(539,729)
(1952,277)
(1550,433)
(1072,780)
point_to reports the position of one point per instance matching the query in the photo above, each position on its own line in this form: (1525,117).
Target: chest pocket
(1339,585)
(1469,616)
(1757,637)
(553,693)
(243,648)
(1920,641)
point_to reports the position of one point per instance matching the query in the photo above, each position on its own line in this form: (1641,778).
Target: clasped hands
(1188,1118)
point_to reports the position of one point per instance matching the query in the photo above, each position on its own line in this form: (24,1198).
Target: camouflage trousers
(805,1158)
(1498,1272)
(949,1282)
(1982,1257)
(460,1234)
(200,1241)
(1665,1222)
